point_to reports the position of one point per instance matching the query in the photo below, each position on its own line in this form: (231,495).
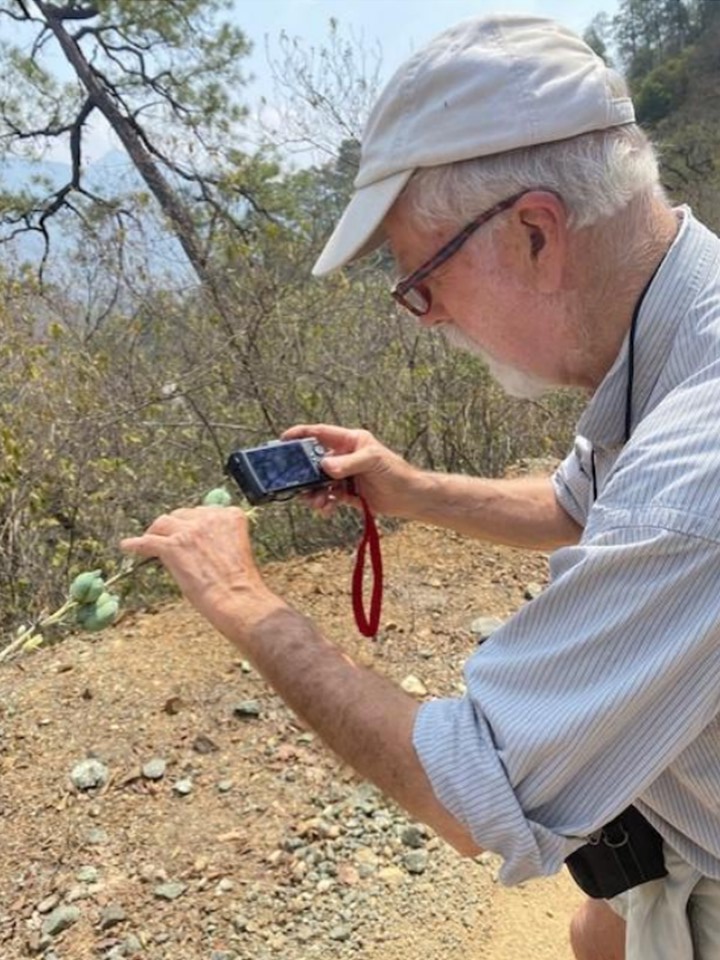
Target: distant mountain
(110,176)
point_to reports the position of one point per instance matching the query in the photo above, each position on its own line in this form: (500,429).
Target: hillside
(245,839)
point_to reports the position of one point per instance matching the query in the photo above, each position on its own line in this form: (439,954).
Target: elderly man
(503,166)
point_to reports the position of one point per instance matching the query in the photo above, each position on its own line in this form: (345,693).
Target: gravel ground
(158,801)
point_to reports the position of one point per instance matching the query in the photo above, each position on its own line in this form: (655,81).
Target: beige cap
(485,86)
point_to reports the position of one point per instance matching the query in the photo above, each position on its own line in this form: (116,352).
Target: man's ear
(543,238)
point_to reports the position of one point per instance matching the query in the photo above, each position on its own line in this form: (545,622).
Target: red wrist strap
(368,626)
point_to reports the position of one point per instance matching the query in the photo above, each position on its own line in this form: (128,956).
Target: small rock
(391,875)
(87,875)
(247,709)
(416,861)
(78,891)
(131,945)
(225,786)
(483,627)
(203,744)
(348,875)
(170,891)
(340,932)
(111,915)
(364,855)
(48,904)
(89,774)
(173,706)
(154,769)
(533,590)
(411,836)
(60,919)
(414,686)
(183,787)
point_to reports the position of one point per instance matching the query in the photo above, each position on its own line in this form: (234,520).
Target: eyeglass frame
(404,285)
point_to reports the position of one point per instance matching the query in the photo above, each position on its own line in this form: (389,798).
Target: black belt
(624,853)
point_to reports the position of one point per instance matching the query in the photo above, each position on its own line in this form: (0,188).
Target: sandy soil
(163,685)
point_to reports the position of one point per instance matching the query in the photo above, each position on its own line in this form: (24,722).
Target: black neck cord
(630,381)
(631,370)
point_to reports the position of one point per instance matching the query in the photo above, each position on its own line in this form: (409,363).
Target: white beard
(516,383)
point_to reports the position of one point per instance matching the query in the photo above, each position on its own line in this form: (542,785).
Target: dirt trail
(265,869)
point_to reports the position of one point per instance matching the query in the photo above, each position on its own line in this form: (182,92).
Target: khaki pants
(676,918)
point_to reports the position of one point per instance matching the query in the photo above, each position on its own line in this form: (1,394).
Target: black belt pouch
(626,852)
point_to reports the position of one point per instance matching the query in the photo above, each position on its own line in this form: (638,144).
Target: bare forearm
(521,512)
(364,718)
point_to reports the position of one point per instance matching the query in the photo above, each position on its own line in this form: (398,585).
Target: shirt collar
(603,421)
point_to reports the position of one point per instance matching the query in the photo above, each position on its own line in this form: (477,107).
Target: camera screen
(284,465)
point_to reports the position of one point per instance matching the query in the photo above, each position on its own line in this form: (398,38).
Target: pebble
(87,875)
(131,945)
(89,774)
(391,875)
(414,686)
(154,769)
(483,627)
(183,787)
(247,709)
(202,744)
(412,836)
(416,861)
(533,590)
(170,891)
(111,915)
(48,904)
(60,919)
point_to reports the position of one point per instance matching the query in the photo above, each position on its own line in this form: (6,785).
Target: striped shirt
(605,690)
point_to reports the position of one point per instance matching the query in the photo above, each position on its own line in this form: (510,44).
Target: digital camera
(278,470)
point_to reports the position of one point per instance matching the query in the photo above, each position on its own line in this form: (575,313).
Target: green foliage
(662,90)
(648,31)
(165,74)
(121,396)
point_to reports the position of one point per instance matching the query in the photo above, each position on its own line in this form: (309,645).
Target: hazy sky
(398,26)
(401,26)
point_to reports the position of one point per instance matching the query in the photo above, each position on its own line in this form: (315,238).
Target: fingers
(337,439)
(145,546)
(328,499)
(184,522)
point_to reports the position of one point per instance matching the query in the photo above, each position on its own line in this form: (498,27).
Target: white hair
(596,174)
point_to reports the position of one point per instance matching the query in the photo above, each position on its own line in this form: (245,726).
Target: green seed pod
(219,497)
(98,615)
(87,587)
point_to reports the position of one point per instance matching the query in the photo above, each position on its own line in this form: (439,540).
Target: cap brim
(359,230)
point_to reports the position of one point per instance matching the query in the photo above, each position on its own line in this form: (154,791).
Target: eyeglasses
(414,295)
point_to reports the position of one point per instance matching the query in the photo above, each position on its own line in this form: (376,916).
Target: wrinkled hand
(381,476)
(207,551)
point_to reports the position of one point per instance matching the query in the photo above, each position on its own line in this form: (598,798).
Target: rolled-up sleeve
(586,696)
(454,743)
(572,481)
